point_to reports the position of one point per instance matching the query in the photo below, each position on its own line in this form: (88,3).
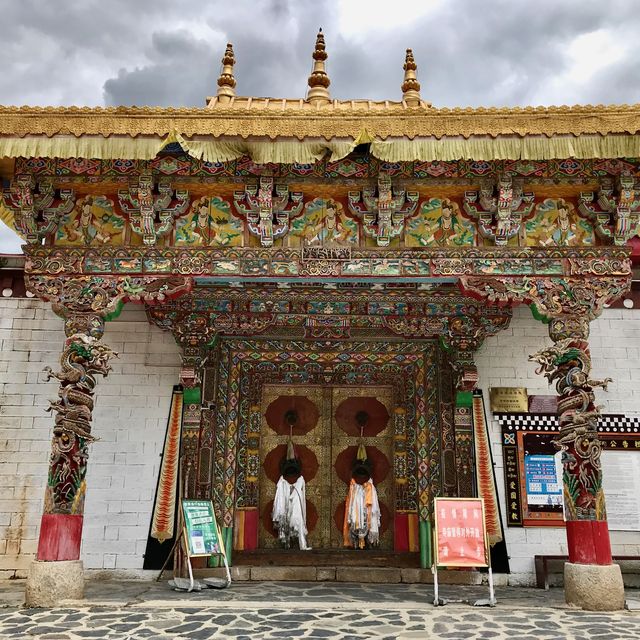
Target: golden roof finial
(319,80)
(410,86)
(226,81)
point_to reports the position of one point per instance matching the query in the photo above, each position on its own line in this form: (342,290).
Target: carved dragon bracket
(499,207)
(86,302)
(268,208)
(578,298)
(37,207)
(152,209)
(383,209)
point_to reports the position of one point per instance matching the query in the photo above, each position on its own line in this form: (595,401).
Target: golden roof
(296,118)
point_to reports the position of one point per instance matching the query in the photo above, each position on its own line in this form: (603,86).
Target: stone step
(378,575)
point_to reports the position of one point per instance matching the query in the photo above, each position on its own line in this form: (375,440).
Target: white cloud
(9,240)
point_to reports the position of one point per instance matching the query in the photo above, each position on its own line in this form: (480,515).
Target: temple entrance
(327,424)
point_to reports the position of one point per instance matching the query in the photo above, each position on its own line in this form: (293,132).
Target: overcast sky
(167,52)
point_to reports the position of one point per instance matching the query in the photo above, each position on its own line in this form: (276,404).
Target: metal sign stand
(437,601)
(182,584)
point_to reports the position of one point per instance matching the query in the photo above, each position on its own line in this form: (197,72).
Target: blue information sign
(544,479)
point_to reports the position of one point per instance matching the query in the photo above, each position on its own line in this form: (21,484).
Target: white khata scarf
(289,512)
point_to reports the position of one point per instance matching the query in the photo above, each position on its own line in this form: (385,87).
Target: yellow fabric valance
(140,148)
(261,152)
(507,148)
(291,150)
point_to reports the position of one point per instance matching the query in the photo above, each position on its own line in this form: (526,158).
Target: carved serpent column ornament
(84,357)
(85,303)
(567,363)
(568,305)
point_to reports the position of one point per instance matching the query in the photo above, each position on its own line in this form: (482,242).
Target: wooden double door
(326,422)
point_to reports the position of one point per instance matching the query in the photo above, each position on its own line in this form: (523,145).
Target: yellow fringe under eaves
(291,150)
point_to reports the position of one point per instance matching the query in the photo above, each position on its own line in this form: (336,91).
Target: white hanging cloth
(289,512)
(362,515)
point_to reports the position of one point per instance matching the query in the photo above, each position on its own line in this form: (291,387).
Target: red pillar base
(60,537)
(588,542)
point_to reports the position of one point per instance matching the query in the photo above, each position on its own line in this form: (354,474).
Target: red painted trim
(251,530)
(588,542)
(401,533)
(60,537)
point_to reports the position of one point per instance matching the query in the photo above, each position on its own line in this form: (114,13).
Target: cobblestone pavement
(251,611)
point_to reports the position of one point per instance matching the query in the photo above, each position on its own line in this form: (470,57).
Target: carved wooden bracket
(383,211)
(85,302)
(614,209)
(152,212)
(37,207)
(268,208)
(499,208)
(572,301)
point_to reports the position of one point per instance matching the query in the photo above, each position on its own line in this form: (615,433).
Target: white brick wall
(132,406)
(503,361)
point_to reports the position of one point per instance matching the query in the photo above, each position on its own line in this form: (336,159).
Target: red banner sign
(460,533)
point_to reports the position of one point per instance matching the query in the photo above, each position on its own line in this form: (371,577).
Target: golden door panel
(369,408)
(325,432)
(304,407)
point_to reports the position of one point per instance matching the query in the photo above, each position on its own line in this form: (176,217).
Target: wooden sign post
(201,534)
(460,538)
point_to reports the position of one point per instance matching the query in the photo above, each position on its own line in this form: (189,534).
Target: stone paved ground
(250,611)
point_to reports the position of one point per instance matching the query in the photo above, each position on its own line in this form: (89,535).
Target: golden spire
(226,81)
(319,80)
(410,86)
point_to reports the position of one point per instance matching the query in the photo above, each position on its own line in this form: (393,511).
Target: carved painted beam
(152,212)
(268,209)
(499,208)
(77,298)
(37,207)
(383,210)
(574,301)
(614,209)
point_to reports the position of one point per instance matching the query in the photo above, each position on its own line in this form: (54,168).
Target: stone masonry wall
(503,362)
(132,406)
(130,418)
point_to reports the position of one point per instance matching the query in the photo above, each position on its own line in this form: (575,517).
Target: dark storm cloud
(167,52)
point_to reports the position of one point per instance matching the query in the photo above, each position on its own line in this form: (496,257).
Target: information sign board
(508,399)
(621,484)
(200,528)
(543,475)
(460,533)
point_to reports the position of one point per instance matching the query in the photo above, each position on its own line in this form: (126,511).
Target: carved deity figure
(439,223)
(324,223)
(556,225)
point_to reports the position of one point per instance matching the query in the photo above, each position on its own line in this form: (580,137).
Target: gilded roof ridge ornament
(226,80)
(410,85)
(319,80)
